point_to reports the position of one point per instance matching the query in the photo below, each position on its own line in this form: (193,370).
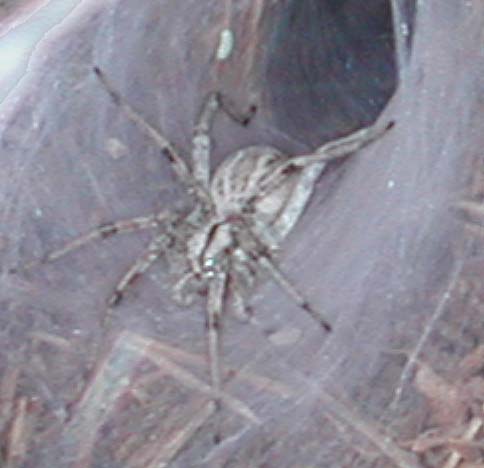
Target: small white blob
(404,29)
(116,148)
(390,184)
(286,336)
(225,45)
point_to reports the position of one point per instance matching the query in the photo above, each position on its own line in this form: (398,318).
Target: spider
(239,217)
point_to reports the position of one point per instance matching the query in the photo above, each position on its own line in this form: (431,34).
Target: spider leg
(333,150)
(266,263)
(167,149)
(243,312)
(344,146)
(151,254)
(262,258)
(179,289)
(216,293)
(297,202)
(241,273)
(240,309)
(201,143)
(102,232)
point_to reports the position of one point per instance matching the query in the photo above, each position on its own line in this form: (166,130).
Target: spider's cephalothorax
(241,205)
(238,219)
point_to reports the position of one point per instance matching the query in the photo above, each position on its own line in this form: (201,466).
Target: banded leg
(154,250)
(179,166)
(201,143)
(266,263)
(100,233)
(344,146)
(330,151)
(216,293)
(230,109)
(263,259)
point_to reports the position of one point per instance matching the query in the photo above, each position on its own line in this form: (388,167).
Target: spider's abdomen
(245,183)
(238,179)
(237,185)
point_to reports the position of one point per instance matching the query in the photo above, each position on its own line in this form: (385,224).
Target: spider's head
(219,241)
(208,246)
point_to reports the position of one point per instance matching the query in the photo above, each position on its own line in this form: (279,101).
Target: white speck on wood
(225,45)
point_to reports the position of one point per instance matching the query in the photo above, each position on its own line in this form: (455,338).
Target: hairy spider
(239,217)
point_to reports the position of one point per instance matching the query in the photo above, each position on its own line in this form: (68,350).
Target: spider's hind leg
(346,145)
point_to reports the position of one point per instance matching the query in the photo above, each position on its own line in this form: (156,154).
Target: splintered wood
(16,420)
(456,410)
(121,379)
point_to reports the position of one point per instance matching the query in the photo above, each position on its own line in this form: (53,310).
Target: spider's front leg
(100,233)
(201,142)
(330,151)
(167,149)
(344,146)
